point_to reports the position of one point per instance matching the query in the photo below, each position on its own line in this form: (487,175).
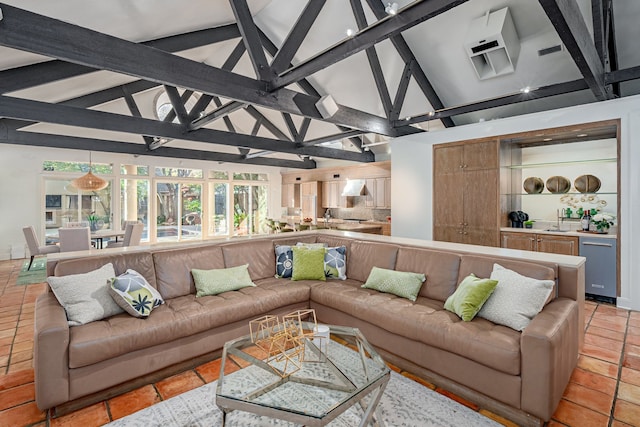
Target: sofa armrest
(50,352)
(549,351)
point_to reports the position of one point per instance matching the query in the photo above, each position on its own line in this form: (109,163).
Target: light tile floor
(604,389)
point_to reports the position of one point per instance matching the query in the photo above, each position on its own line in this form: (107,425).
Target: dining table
(100,235)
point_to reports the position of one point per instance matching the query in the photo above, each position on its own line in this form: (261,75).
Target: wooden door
(480,207)
(521,241)
(480,155)
(565,245)
(448,200)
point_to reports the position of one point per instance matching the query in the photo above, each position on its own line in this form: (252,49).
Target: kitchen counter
(361,228)
(573,233)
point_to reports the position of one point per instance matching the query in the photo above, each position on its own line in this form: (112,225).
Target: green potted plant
(528,223)
(93,221)
(602,221)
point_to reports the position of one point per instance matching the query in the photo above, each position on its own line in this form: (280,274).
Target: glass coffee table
(324,385)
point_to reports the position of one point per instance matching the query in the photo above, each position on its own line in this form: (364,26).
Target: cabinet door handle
(464,232)
(532,239)
(465,224)
(608,245)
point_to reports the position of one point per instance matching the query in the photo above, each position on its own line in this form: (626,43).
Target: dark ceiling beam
(407,17)
(612,48)
(625,75)
(570,26)
(275,130)
(543,92)
(179,109)
(290,46)
(599,36)
(35,33)
(405,52)
(226,119)
(216,114)
(13,136)
(401,92)
(374,61)
(251,39)
(174,98)
(256,126)
(27,76)
(304,127)
(291,126)
(35,111)
(331,138)
(135,112)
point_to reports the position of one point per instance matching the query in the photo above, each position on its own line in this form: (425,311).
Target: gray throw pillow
(85,297)
(134,294)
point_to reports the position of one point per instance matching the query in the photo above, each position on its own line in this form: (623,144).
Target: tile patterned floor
(604,390)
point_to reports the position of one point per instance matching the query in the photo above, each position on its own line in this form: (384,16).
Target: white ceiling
(438,45)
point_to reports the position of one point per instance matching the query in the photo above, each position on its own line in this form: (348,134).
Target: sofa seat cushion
(179,317)
(426,321)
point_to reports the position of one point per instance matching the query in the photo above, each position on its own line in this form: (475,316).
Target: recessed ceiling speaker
(327,106)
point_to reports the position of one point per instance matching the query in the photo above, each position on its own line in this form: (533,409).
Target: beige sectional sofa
(520,375)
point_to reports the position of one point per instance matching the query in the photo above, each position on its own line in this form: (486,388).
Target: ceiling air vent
(549,50)
(492,44)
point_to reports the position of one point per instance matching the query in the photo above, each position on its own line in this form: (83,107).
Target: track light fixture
(391,9)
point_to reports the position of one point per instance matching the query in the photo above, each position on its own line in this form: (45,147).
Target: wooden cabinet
(311,199)
(290,196)
(466,192)
(549,243)
(332,195)
(378,193)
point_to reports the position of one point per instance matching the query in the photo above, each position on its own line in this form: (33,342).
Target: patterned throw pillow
(470,296)
(85,297)
(217,281)
(516,300)
(134,294)
(335,263)
(284,261)
(401,283)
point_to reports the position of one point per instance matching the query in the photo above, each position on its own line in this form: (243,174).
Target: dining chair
(132,236)
(34,244)
(74,239)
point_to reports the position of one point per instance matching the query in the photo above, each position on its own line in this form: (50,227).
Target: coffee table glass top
(320,388)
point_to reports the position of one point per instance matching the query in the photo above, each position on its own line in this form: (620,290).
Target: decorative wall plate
(558,184)
(587,183)
(533,185)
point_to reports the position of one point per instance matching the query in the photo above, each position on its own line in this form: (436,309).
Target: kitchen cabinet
(332,195)
(466,192)
(311,199)
(540,242)
(290,195)
(378,193)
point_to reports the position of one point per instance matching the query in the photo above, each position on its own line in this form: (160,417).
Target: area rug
(37,273)
(404,403)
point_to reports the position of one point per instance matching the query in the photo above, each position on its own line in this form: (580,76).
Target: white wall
(22,185)
(411,172)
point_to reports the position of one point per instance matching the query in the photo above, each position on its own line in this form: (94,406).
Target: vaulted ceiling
(291,83)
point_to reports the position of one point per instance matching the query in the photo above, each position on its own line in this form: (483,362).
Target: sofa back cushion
(142,262)
(363,256)
(335,241)
(292,240)
(441,269)
(259,254)
(483,266)
(173,268)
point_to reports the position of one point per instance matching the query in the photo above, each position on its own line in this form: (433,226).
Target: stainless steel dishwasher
(600,270)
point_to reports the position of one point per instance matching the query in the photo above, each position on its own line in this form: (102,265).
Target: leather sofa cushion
(179,317)
(142,262)
(173,268)
(363,256)
(441,269)
(259,254)
(333,241)
(426,321)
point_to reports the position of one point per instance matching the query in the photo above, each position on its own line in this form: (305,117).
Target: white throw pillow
(85,297)
(516,299)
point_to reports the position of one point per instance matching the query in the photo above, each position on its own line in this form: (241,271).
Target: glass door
(178,211)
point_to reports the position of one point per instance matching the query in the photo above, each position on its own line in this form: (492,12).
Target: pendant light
(89,182)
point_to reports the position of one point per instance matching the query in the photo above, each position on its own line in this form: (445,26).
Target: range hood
(353,187)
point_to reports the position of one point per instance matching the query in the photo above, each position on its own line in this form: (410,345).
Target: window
(179,172)
(249,209)
(218,209)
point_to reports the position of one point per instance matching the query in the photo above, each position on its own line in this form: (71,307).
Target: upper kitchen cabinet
(466,192)
(378,193)
(290,195)
(332,195)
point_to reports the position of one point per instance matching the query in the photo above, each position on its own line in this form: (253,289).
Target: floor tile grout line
(619,376)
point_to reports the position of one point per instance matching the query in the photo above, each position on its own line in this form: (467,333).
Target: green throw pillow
(216,281)
(401,283)
(308,263)
(470,296)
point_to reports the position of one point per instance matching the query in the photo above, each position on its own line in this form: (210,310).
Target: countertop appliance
(517,218)
(600,276)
